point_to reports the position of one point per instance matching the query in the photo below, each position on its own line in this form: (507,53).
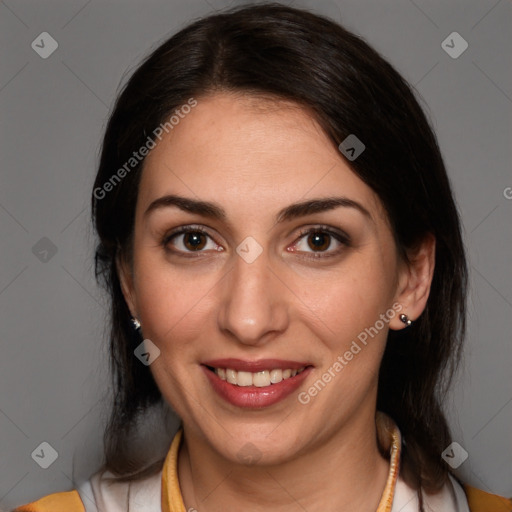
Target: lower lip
(252,397)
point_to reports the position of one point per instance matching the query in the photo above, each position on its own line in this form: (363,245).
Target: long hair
(283,52)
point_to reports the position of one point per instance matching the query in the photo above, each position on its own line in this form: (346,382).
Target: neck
(344,472)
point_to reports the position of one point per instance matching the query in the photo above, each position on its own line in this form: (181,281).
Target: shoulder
(453,497)
(481,501)
(142,495)
(103,492)
(58,502)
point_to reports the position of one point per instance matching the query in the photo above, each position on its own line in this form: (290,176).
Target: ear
(414,280)
(125,274)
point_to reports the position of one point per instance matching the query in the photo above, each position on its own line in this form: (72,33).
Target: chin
(256,445)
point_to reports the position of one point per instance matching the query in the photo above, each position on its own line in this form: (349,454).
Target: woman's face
(254,297)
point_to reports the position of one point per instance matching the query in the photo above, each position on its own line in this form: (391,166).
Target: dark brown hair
(293,54)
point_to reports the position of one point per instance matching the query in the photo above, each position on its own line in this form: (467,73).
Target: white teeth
(261,379)
(244,378)
(231,376)
(258,379)
(276,376)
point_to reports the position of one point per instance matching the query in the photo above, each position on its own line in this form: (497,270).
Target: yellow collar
(388,436)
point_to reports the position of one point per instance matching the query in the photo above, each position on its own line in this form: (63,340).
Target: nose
(253,306)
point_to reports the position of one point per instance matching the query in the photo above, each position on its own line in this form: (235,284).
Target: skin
(254,156)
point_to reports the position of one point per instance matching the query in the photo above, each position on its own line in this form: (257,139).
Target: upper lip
(255,366)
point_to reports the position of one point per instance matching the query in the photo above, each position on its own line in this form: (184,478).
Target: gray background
(53,365)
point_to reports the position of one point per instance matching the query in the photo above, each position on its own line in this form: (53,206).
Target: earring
(136,323)
(405,319)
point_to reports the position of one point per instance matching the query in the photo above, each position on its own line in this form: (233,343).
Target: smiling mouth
(258,379)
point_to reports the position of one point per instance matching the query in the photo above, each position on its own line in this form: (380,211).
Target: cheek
(173,310)
(172,302)
(355,311)
(350,299)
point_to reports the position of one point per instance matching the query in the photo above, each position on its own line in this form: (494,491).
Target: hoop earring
(136,324)
(405,319)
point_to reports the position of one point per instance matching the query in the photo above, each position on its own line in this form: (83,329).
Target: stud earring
(405,319)
(136,323)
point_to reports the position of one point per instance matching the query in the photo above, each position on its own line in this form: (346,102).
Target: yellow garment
(58,502)
(172,501)
(481,501)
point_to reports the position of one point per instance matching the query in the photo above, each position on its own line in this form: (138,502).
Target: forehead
(255,151)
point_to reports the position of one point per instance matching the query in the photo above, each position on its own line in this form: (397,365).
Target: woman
(280,242)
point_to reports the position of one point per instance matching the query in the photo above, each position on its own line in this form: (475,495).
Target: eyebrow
(290,212)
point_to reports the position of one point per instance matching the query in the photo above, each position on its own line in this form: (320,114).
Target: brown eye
(319,240)
(316,242)
(188,240)
(194,241)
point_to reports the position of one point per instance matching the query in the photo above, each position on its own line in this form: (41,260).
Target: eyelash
(341,237)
